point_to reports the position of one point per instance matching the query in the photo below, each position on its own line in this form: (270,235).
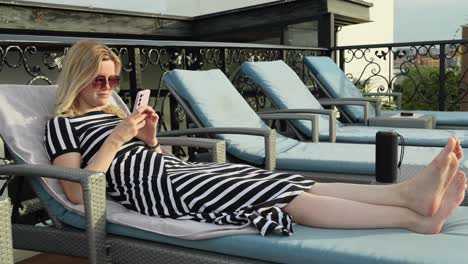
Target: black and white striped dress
(162,185)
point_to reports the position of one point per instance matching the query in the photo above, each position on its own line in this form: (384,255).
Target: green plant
(372,85)
(420,88)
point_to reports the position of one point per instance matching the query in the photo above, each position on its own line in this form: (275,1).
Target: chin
(103,99)
(101,103)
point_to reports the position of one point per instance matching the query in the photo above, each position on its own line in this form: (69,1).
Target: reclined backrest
(285,89)
(336,84)
(24,111)
(216,103)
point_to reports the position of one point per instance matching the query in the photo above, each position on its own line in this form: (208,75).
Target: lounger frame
(297,133)
(269,137)
(396,95)
(334,101)
(94,242)
(6,246)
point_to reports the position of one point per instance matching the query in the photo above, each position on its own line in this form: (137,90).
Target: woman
(87,132)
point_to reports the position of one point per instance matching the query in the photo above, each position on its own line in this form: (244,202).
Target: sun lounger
(331,79)
(118,243)
(214,105)
(290,95)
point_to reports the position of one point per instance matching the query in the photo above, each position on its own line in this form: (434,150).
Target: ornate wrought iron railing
(430,75)
(37,60)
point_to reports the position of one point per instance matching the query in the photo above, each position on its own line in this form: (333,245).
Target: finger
(150,109)
(151,115)
(140,118)
(141,124)
(146,109)
(155,117)
(138,111)
(141,109)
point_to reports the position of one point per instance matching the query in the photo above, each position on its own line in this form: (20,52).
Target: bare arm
(100,163)
(102,160)
(149,132)
(72,190)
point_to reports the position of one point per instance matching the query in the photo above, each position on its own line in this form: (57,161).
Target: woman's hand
(148,132)
(128,128)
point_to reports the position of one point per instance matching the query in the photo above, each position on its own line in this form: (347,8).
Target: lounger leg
(6,247)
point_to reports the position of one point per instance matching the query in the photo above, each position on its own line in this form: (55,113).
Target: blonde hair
(80,67)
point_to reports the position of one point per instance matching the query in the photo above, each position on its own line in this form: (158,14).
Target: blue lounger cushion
(413,136)
(349,158)
(336,83)
(287,91)
(223,107)
(339,86)
(315,245)
(285,88)
(216,102)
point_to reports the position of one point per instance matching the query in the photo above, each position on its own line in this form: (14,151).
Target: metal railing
(430,74)
(38,60)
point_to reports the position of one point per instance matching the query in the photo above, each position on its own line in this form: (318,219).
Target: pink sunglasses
(100,82)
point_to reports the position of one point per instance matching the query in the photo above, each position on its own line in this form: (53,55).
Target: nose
(107,85)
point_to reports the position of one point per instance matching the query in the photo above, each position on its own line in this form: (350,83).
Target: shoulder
(59,122)
(58,119)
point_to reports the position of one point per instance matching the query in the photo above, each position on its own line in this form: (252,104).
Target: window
(301,34)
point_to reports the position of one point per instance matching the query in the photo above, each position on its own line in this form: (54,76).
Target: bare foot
(451,201)
(426,190)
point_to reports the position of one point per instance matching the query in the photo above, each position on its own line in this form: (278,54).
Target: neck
(86,108)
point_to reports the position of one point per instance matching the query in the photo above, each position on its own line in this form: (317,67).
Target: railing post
(222,57)
(342,60)
(390,70)
(135,73)
(173,105)
(442,77)
(285,56)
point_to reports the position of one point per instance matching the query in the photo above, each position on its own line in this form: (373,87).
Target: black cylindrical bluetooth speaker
(386,156)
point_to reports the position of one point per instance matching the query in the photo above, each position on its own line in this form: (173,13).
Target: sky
(421,20)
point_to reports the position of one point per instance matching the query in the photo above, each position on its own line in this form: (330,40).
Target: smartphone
(142,99)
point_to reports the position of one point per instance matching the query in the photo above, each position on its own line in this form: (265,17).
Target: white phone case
(142,99)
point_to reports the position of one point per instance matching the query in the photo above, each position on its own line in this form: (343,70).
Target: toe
(451,144)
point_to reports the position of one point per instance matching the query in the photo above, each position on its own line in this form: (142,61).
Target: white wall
(167,7)
(147,6)
(381,30)
(202,7)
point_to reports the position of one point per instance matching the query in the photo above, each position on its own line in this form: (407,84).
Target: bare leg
(422,194)
(330,212)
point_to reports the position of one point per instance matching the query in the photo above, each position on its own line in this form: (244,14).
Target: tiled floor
(53,259)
